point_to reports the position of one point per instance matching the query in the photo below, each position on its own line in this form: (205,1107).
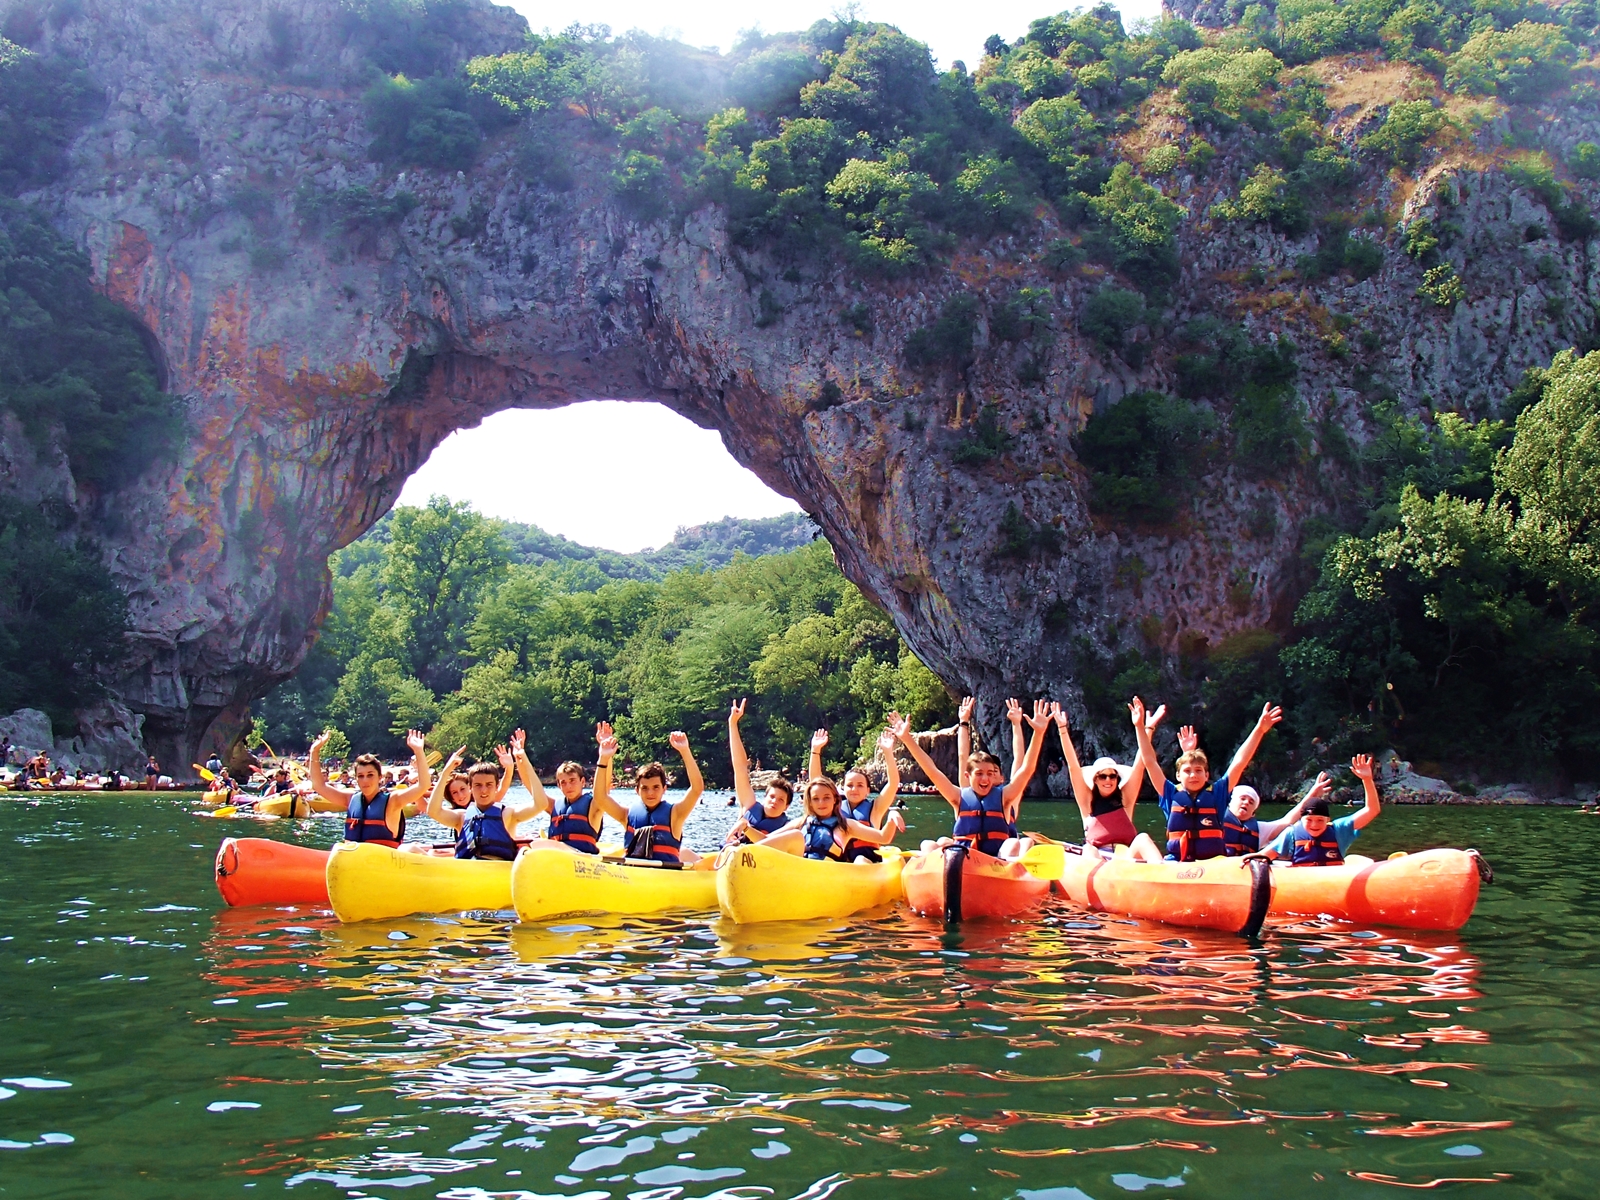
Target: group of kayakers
(1205,818)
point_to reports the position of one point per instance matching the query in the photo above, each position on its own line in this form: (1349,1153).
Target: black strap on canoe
(1260,896)
(955,858)
(1485,871)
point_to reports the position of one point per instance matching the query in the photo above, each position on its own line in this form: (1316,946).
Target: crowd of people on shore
(1205,817)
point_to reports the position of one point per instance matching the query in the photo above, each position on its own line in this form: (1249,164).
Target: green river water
(154,1043)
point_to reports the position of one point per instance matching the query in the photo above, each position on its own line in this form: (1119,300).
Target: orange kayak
(1432,889)
(959,884)
(264,871)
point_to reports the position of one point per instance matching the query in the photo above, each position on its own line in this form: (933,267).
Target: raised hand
(1059,716)
(1322,787)
(679,741)
(415,740)
(886,742)
(900,727)
(504,757)
(1014,711)
(736,711)
(519,743)
(603,730)
(1154,718)
(608,747)
(819,739)
(1361,766)
(1271,714)
(968,704)
(1136,711)
(1188,739)
(321,741)
(1040,719)
(455,762)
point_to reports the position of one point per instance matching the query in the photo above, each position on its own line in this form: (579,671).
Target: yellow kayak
(758,883)
(374,883)
(552,881)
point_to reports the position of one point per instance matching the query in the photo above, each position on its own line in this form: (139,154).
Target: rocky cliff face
(320,370)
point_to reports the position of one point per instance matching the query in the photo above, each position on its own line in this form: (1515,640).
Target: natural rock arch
(320,370)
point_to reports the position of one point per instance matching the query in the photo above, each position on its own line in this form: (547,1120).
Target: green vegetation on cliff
(446,620)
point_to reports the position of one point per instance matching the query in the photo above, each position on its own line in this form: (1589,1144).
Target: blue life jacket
(821,841)
(1194,825)
(1240,837)
(660,844)
(1320,851)
(981,820)
(569,823)
(756,817)
(483,835)
(366,821)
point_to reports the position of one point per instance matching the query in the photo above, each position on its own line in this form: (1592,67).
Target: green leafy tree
(1521,64)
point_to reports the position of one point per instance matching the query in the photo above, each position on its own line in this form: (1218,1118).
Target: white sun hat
(1106,764)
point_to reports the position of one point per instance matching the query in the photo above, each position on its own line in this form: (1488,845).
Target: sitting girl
(825,832)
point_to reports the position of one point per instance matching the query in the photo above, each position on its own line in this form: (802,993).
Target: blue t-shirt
(1172,792)
(1343,829)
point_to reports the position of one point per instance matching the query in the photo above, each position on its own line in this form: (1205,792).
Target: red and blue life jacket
(1240,837)
(570,824)
(981,820)
(1194,824)
(1320,851)
(367,821)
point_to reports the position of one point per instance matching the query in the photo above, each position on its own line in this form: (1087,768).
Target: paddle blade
(433,758)
(204,774)
(1045,862)
(227,810)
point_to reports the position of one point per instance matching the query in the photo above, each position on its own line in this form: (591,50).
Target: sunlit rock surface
(320,370)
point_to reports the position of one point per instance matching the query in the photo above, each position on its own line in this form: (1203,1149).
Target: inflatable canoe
(959,884)
(549,880)
(1432,889)
(263,871)
(373,883)
(757,883)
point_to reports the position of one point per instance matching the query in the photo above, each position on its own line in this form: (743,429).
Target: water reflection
(861,1044)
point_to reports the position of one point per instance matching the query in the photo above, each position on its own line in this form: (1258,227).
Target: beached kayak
(959,884)
(263,871)
(372,883)
(549,880)
(757,883)
(1432,889)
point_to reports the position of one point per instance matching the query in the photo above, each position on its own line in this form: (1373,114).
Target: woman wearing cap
(1106,793)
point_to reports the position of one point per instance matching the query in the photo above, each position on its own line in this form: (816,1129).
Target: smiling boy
(1317,840)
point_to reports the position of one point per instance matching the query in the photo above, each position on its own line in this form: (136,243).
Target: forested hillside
(442,620)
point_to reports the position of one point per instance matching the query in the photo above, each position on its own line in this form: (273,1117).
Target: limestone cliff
(320,370)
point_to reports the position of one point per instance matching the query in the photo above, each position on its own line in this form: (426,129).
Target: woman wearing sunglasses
(1106,793)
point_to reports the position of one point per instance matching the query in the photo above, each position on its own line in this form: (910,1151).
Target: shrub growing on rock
(1145,454)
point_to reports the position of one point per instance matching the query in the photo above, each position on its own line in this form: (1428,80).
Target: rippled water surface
(158,1044)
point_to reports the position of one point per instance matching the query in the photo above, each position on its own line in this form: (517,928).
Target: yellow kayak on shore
(374,883)
(758,883)
(552,881)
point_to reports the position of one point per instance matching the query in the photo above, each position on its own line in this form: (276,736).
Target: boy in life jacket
(577,814)
(857,802)
(372,813)
(1316,840)
(986,810)
(1194,807)
(756,820)
(485,828)
(654,823)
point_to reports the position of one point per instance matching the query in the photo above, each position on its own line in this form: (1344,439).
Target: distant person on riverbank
(1317,840)
(152,773)
(373,813)
(1194,810)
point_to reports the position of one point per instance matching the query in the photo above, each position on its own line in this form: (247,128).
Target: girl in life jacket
(1106,792)
(576,813)
(858,802)
(373,813)
(1317,840)
(1195,805)
(654,823)
(986,809)
(486,826)
(757,819)
(825,832)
